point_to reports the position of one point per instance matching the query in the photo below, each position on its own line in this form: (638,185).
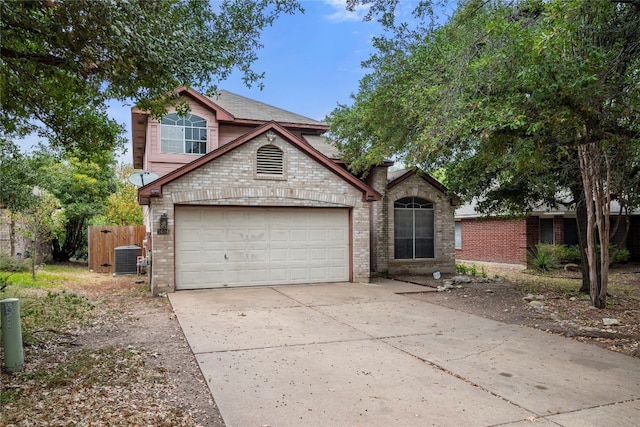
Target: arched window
(413,228)
(186,134)
(269,161)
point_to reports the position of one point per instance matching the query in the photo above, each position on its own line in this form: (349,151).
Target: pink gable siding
(230,133)
(163,163)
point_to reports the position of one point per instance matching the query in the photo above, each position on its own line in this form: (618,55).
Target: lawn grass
(622,281)
(46,308)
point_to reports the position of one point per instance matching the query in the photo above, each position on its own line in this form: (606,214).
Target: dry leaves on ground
(128,365)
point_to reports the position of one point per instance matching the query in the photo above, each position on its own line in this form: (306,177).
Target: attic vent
(270,161)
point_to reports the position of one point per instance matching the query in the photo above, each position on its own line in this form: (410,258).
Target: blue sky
(311,63)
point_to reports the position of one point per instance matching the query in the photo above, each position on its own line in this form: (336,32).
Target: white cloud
(341,14)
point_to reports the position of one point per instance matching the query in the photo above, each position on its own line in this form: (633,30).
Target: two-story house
(249,194)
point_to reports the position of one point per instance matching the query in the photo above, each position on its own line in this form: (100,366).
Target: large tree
(61,60)
(17,180)
(122,206)
(522,102)
(82,188)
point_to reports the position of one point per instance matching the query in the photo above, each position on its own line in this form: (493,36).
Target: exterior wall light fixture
(163,228)
(271,136)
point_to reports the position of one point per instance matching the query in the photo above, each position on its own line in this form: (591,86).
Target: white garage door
(223,246)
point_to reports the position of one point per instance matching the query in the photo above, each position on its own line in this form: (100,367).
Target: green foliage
(43,316)
(39,223)
(17,178)
(543,258)
(473,270)
(500,96)
(62,60)
(619,255)
(11,264)
(122,206)
(520,101)
(82,187)
(569,254)
(462,269)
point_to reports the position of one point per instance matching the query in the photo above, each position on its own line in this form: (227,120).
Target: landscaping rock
(532,297)
(606,321)
(538,305)
(446,286)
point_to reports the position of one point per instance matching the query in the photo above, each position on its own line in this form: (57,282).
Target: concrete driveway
(352,354)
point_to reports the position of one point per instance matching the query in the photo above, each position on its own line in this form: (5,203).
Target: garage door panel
(318,235)
(276,255)
(337,254)
(228,246)
(278,235)
(212,235)
(318,254)
(299,255)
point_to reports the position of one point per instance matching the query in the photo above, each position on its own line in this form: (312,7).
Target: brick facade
(377,178)
(444,260)
(226,176)
(495,240)
(230,180)
(511,240)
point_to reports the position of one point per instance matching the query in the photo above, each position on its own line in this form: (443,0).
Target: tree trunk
(75,230)
(598,206)
(581,221)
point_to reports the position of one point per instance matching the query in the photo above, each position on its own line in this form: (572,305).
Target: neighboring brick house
(509,241)
(250,194)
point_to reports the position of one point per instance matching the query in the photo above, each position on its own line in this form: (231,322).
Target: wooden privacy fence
(104,240)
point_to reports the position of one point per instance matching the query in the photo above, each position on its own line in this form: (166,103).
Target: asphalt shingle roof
(245,108)
(323,145)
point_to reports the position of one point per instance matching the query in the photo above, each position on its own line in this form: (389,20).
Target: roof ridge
(249,103)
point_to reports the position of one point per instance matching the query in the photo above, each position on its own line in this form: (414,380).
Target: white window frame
(415,205)
(173,134)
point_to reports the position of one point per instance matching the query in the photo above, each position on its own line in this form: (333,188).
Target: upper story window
(270,162)
(183,134)
(413,228)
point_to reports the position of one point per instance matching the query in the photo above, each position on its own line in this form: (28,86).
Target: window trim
(192,119)
(415,200)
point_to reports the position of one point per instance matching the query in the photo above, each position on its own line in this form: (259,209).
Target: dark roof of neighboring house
(469,210)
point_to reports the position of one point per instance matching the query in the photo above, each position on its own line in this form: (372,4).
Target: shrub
(543,257)
(473,270)
(618,255)
(461,269)
(8,263)
(569,254)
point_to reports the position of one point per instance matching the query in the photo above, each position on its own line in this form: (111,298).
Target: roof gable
(228,108)
(397,177)
(154,189)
